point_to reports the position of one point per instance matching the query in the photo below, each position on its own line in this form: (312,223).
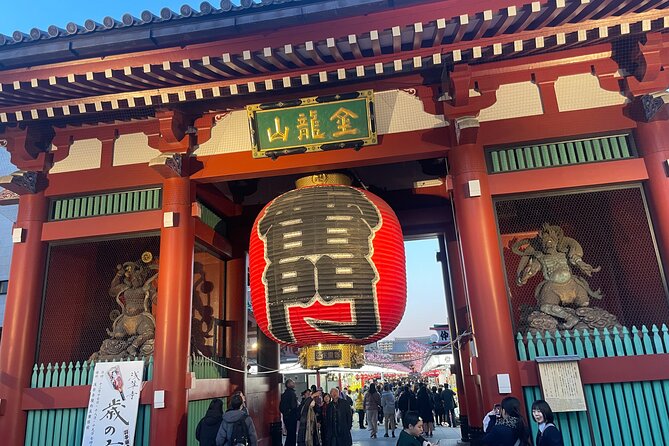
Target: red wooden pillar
(484,273)
(22,311)
(471,390)
(236,315)
(652,140)
(173,315)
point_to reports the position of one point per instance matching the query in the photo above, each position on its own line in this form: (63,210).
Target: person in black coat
(548,434)
(448,398)
(425,407)
(339,420)
(207,428)
(406,402)
(288,408)
(510,429)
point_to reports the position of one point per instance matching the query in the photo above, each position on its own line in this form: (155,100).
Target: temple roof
(168,28)
(282,44)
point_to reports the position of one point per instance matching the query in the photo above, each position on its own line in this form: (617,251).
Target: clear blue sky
(426,303)
(28,14)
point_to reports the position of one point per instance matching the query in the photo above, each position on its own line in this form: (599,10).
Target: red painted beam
(70,397)
(98,226)
(104,178)
(558,125)
(582,175)
(618,369)
(212,239)
(392,148)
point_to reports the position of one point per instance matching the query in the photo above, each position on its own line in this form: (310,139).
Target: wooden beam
(129,223)
(617,369)
(70,397)
(392,148)
(568,177)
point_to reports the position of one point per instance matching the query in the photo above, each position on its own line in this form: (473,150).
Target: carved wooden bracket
(461,107)
(650,75)
(169,165)
(170,132)
(29,147)
(21,182)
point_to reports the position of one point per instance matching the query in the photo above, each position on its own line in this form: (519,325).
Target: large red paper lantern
(327,266)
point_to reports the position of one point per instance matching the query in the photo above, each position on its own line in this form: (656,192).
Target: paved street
(447,436)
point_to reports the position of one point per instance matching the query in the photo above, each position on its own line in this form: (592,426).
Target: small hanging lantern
(327,270)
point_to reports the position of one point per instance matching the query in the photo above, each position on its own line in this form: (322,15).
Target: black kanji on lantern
(318,244)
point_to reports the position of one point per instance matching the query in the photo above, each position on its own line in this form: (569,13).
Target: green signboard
(313,124)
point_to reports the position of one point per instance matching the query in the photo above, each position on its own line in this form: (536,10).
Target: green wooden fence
(65,427)
(105,204)
(562,153)
(631,413)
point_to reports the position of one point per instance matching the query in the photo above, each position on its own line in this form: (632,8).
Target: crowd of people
(322,419)
(326,418)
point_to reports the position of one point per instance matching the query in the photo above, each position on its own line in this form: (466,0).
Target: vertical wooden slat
(522,352)
(550,346)
(67,413)
(31,426)
(562,153)
(531,349)
(644,395)
(618,392)
(597,147)
(536,155)
(541,348)
(494,159)
(589,151)
(615,149)
(624,147)
(580,152)
(520,159)
(555,158)
(503,161)
(571,153)
(156,199)
(529,161)
(606,149)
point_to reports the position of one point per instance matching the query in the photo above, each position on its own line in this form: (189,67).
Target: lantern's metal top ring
(317,179)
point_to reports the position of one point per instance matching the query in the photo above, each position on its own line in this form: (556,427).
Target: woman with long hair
(548,434)
(511,429)
(425,408)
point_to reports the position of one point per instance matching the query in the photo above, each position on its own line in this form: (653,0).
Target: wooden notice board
(561,384)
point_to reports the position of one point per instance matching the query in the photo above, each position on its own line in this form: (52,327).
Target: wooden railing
(65,427)
(631,412)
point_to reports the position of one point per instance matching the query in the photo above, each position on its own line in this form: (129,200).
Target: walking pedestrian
(405,403)
(372,402)
(339,421)
(288,408)
(425,409)
(207,428)
(360,408)
(237,427)
(510,429)
(448,397)
(388,404)
(548,434)
(438,403)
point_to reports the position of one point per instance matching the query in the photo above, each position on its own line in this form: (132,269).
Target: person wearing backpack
(237,428)
(207,428)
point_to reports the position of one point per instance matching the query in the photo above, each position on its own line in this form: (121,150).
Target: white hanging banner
(113,404)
